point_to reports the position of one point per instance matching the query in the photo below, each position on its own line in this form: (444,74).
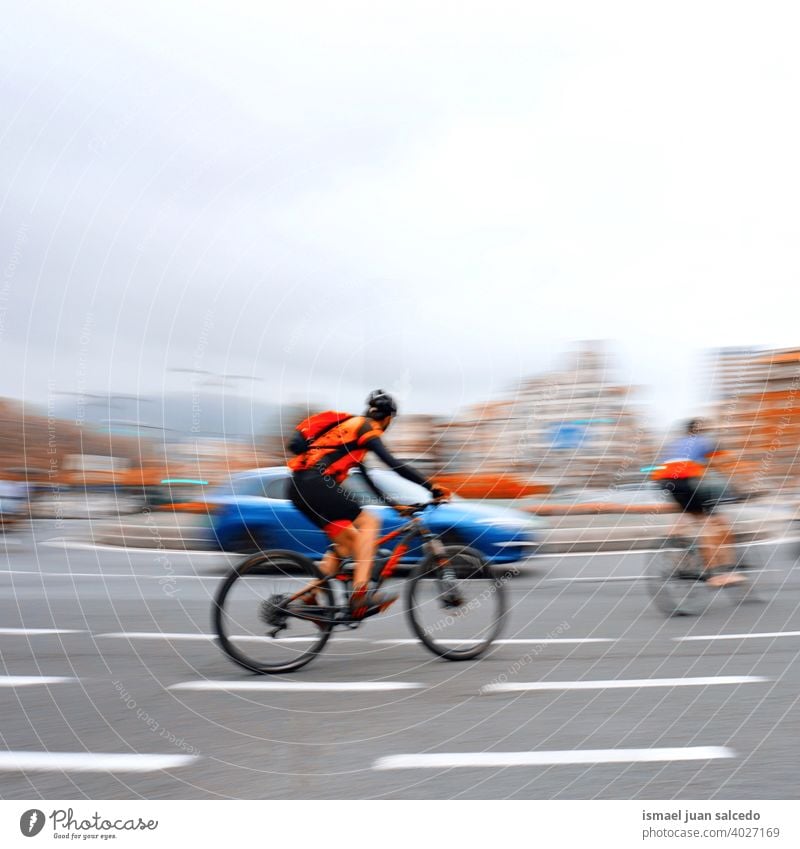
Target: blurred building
(212,459)
(756,412)
(414,438)
(573,427)
(36,445)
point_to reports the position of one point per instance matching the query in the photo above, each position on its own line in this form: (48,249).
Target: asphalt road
(94,640)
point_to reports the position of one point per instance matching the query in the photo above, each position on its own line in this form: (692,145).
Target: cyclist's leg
(721,535)
(364,601)
(685,524)
(343,539)
(368,526)
(324,504)
(329,565)
(708,542)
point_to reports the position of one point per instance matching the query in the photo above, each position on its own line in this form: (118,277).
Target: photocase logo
(31,822)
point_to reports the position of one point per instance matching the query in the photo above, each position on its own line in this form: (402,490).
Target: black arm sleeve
(376,490)
(405,471)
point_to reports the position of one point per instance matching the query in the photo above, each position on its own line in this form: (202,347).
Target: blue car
(254,513)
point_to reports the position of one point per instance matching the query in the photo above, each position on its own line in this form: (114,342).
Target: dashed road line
(297,687)
(520,641)
(189,636)
(175,637)
(90,762)
(37,632)
(400,641)
(154,635)
(450,760)
(133,576)
(622,683)
(82,545)
(759,635)
(31,680)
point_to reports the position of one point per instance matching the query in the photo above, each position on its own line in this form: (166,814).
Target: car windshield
(396,488)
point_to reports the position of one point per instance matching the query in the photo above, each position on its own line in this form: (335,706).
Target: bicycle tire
(676,583)
(469,564)
(268,564)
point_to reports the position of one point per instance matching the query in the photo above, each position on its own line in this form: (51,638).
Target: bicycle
(450,588)
(678,579)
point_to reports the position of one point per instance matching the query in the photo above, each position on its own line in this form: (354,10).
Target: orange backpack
(311,429)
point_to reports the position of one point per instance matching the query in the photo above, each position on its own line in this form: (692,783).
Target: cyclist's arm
(376,490)
(403,469)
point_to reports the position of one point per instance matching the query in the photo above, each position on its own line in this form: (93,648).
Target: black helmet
(380,404)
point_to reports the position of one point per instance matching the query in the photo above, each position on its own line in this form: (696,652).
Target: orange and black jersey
(346,446)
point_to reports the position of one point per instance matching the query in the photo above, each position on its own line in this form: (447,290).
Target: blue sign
(568,435)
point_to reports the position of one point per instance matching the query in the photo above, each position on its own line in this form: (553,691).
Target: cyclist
(682,473)
(317,492)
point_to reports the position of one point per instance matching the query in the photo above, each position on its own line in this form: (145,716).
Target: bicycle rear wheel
(250,607)
(456,607)
(676,582)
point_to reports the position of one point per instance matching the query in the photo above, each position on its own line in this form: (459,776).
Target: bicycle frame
(413,528)
(407,532)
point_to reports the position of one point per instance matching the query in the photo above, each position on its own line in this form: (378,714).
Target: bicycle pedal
(342,617)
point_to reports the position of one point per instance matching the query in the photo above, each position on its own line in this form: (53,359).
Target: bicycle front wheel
(676,582)
(456,604)
(257,627)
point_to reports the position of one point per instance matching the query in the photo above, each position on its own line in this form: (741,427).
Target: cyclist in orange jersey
(316,490)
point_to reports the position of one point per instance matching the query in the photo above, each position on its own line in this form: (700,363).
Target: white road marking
(298,687)
(103,575)
(596,580)
(31,680)
(157,635)
(756,635)
(89,762)
(622,683)
(552,758)
(243,638)
(608,578)
(80,544)
(526,641)
(622,552)
(36,632)
(154,635)
(98,546)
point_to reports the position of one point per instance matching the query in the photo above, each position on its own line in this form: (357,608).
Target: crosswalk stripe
(451,760)
(621,683)
(89,762)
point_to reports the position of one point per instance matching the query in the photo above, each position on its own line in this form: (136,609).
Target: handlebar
(411,509)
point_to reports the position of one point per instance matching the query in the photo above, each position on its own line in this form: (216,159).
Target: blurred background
(553,231)
(215,223)
(576,429)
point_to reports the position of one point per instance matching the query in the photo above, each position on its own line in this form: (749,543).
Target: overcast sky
(431,197)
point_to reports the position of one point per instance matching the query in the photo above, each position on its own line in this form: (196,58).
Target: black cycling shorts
(323,501)
(689,494)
